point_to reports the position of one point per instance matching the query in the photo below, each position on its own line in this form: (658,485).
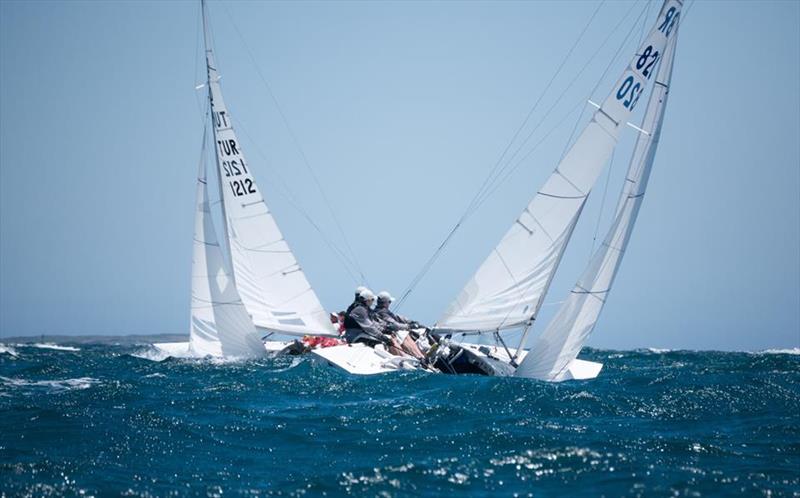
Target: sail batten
(563,338)
(267,276)
(511,283)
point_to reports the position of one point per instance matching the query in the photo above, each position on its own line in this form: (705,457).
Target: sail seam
(207,243)
(562,175)
(562,196)
(542,227)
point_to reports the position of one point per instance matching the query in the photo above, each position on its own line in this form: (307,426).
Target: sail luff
(563,338)
(511,283)
(268,278)
(219,325)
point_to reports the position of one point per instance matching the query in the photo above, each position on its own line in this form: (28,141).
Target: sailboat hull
(359,359)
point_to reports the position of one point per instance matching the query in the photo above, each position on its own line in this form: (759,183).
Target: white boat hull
(360,359)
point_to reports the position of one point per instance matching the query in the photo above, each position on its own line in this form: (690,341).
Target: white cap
(366,295)
(360,289)
(385,296)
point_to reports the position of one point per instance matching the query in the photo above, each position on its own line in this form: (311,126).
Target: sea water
(83,420)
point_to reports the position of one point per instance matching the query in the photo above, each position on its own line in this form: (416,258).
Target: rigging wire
(489,180)
(564,91)
(644,22)
(613,60)
(289,196)
(611,161)
(352,256)
(493,181)
(491,177)
(196,57)
(602,204)
(516,166)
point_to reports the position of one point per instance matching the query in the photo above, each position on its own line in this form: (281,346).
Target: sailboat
(506,293)
(252,297)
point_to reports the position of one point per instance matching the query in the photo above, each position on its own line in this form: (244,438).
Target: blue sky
(401,108)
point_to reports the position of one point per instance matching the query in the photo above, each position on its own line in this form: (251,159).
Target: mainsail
(220,324)
(271,283)
(507,290)
(560,343)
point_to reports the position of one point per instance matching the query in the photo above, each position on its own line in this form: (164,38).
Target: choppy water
(99,420)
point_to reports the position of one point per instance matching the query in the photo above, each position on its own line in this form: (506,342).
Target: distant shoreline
(124,340)
(95,339)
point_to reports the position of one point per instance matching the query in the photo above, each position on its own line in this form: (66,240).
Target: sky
(401,109)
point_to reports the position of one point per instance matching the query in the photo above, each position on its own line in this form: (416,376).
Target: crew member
(361,327)
(397,325)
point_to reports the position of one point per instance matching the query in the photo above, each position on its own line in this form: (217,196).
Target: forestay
(272,285)
(564,336)
(220,324)
(508,288)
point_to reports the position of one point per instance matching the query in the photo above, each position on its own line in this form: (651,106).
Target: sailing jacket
(352,305)
(358,322)
(390,320)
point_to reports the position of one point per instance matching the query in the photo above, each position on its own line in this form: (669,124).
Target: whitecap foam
(8,350)
(659,350)
(795,351)
(295,361)
(50,345)
(54,385)
(163,351)
(160,352)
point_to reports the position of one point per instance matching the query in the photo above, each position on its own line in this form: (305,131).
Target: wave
(151,353)
(795,351)
(54,385)
(155,352)
(8,350)
(50,345)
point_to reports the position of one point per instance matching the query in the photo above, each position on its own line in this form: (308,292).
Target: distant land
(96,339)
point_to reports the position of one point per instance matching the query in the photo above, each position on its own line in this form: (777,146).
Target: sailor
(360,326)
(396,325)
(359,290)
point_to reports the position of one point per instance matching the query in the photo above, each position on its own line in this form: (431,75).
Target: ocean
(109,420)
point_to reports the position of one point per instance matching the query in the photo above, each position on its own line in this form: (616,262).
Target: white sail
(560,343)
(220,324)
(271,283)
(508,288)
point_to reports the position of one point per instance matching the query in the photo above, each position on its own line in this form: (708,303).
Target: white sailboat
(260,290)
(505,294)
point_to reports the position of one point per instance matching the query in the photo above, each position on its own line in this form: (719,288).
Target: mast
(210,64)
